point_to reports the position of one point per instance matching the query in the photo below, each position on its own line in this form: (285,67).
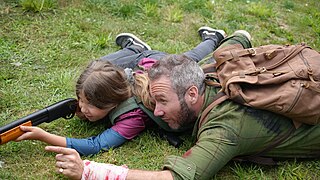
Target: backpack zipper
(296,98)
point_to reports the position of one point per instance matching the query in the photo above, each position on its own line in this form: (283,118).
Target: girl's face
(91,112)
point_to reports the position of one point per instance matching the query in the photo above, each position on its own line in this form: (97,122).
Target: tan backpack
(281,79)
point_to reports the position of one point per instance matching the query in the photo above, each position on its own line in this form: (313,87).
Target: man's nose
(157,111)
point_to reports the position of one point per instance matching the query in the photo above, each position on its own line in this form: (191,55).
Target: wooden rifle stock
(63,109)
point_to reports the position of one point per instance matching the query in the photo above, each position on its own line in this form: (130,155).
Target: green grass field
(45,44)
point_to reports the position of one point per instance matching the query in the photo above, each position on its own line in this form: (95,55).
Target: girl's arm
(36,133)
(92,145)
(127,126)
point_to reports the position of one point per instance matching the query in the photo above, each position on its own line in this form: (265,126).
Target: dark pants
(130,57)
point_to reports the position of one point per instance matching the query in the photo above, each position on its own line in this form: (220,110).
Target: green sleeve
(214,149)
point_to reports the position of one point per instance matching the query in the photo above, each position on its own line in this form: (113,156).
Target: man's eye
(162,101)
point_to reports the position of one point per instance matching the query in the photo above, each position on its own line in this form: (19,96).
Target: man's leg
(210,41)
(238,37)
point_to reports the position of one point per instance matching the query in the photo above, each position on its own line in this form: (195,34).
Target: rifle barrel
(63,109)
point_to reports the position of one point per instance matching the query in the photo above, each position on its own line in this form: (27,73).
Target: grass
(45,44)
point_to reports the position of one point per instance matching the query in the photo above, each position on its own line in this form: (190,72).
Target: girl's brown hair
(105,85)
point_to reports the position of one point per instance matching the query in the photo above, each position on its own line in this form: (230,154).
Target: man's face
(169,107)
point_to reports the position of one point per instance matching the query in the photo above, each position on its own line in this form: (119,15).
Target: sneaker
(208,32)
(243,32)
(127,39)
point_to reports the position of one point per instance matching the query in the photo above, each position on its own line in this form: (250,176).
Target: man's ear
(192,94)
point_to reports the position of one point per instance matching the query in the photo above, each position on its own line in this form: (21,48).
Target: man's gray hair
(182,71)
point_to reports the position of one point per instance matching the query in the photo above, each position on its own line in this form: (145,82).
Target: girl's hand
(31,133)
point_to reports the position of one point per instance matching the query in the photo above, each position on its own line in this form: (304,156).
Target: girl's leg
(123,58)
(123,53)
(211,39)
(131,60)
(202,50)
(134,50)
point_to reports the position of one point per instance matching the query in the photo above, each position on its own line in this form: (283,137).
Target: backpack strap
(235,52)
(236,55)
(125,106)
(212,79)
(209,68)
(220,56)
(218,98)
(296,51)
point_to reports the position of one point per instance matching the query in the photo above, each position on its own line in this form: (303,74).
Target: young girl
(106,90)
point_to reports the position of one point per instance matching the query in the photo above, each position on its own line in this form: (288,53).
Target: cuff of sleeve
(94,170)
(180,167)
(68,142)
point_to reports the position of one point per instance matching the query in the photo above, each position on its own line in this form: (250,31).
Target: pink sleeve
(131,124)
(145,64)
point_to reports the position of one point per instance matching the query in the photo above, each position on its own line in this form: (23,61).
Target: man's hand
(68,162)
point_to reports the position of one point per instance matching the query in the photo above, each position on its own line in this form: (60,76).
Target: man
(228,131)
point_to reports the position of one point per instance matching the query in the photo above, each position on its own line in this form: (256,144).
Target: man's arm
(214,149)
(141,174)
(203,160)
(69,163)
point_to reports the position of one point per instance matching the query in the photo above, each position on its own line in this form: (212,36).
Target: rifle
(172,138)
(65,109)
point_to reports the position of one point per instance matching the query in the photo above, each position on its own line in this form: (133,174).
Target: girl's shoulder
(134,114)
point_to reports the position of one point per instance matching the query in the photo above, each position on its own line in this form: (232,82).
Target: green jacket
(232,130)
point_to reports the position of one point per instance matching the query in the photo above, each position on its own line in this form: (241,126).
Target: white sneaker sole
(135,38)
(243,32)
(222,32)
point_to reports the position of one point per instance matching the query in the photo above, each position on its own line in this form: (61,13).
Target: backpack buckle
(252,51)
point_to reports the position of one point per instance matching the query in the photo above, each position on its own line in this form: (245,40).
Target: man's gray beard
(186,115)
